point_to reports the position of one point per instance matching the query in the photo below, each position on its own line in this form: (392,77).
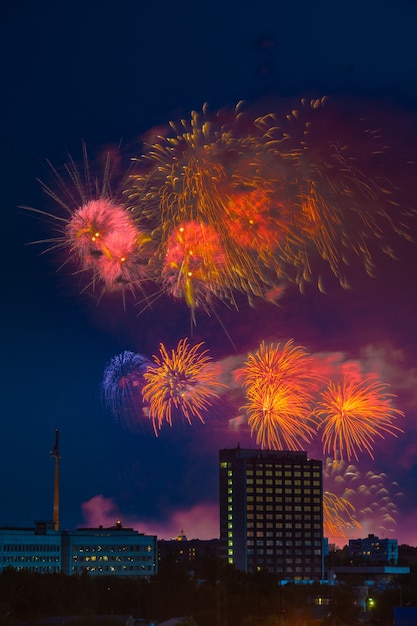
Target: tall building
(271,513)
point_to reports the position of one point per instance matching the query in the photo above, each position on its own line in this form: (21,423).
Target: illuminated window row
(24,547)
(30,559)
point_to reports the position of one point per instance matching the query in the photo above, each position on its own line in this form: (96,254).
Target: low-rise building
(374,550)
(116,550)
(98,551)
(35,549)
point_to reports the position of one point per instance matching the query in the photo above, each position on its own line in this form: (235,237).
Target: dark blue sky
(104,73)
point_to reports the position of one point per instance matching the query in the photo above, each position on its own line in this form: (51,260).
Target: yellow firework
(216,174)
(184,380)
(280,364)
(356,498)
(338,515)
(353,414)
(280,416)
(279,383)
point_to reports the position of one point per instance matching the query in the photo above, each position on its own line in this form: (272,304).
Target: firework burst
(358,499)
(97,235)
(353,414)
(215,174)
(193,268)
(344,208)
(338,515)
(280,382)
(185,381)
(122,387)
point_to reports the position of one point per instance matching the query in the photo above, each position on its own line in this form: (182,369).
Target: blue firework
(122,388)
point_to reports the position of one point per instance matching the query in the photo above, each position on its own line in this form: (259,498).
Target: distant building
(36,549)
(271,513)
(183,550)
(116,550)
(374,550)
(98,551)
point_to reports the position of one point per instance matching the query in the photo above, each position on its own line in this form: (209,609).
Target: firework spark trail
(194,258)
(280,383)
(338,515)
(277,197)
(194,174)
(280,416)
(353,414)
(185,380)
(122,387)
(369,497)
(345,205)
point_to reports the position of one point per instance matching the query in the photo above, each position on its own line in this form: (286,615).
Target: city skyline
(58,340)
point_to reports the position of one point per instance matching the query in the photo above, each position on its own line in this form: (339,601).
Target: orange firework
(281,364)
(357,500)
(353,414)
(343,208)
(280,415)
(338,515)
(279,384)
(217,174)
(185,380)
(194,264)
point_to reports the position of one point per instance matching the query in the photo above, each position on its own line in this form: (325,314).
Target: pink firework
(98,235)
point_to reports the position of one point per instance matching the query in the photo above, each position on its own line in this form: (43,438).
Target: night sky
(106,74)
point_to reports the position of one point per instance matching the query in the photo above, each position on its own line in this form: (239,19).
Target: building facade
(187,551)
(35,549)
(271,513)
(374,550)
(116,550)
(98,551)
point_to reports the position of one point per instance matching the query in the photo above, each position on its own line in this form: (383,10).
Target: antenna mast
(55,454)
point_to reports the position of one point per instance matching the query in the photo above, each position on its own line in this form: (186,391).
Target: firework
(280,415)
(193,265)
(279,364)
(353,414)
(344,209)
(233,203)
(215,175)
(338,515)
(97,235)
(184,381)
(358,498)
(122,387)
(279,384)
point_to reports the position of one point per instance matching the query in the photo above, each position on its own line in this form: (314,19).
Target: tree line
(213,594)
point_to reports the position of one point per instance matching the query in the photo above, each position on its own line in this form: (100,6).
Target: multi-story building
(36,549)
(116,550)
(183,550)
(271,513)
(374,550)
(98,551)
